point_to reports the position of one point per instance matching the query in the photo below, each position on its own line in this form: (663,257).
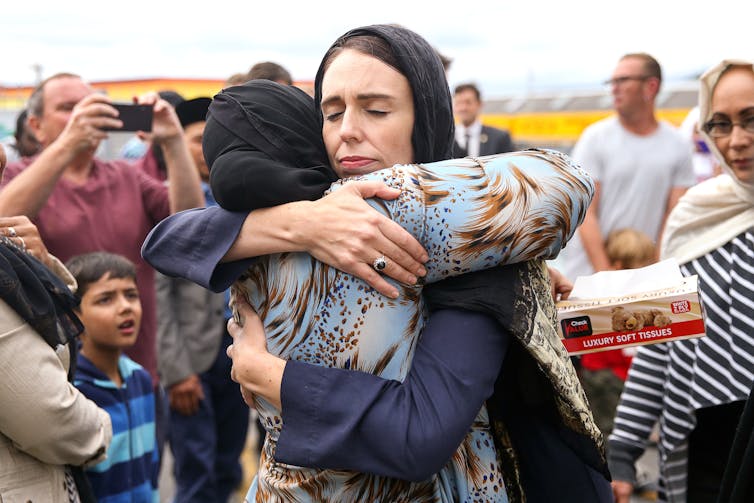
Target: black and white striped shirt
(668,382)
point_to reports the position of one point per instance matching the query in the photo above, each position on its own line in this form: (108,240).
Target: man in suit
(472,138)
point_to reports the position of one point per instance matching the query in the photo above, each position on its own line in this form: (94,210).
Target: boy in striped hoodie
(110,310)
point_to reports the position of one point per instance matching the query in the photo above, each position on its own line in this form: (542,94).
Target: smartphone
(134,117)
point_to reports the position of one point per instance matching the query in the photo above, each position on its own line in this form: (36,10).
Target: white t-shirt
(636,174)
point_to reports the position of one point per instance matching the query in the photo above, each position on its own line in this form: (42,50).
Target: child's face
(111,313)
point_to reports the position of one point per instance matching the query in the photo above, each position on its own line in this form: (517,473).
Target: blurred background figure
(270,70)
(705,164)
(22,143)
(696,388)
(472,137)
(604,372)
(138,146)
(208,417)
(48,429)
(641,166)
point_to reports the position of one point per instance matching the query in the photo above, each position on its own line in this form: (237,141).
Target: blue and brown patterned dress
(470,214)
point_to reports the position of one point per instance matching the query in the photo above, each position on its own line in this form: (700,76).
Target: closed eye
(333,116)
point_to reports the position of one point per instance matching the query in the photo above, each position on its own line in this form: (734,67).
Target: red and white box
(602,323)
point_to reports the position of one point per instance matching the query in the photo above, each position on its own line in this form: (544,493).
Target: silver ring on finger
(380,263)
(12,232)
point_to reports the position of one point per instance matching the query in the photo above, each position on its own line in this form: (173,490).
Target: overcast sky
(506,47)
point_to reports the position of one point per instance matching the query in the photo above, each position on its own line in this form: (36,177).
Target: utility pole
(37,68)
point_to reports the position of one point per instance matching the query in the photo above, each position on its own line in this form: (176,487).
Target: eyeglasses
(722,128)
(622,80)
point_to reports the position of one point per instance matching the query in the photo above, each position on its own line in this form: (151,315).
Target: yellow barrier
(560,127)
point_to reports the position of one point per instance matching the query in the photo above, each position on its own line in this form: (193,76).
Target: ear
(35,125)
(652,87)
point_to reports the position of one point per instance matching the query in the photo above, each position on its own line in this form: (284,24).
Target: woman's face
(368,112)
(733,100)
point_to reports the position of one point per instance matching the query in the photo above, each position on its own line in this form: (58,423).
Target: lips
(355,164)
(127,327)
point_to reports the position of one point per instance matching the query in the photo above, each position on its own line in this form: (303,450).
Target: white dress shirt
(470,135)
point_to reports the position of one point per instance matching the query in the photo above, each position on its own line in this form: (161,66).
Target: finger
(400,265)
(243,309)
(248,397)
(406,242)
(233,329)
(193,405)
(14,221)
(375,280)
(373,188)
(394,270)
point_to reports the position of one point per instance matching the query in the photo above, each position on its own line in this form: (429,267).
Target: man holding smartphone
(81,203)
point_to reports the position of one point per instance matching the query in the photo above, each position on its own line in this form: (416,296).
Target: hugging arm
(191,244)
(342,419)
(210,245)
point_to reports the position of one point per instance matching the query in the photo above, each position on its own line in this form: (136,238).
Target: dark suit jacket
(494,141)
(491,141)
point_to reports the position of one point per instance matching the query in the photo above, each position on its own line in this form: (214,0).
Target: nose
(125,304)
(350,126)
(739,137)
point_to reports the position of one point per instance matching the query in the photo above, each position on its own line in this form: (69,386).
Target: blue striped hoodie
(129,474)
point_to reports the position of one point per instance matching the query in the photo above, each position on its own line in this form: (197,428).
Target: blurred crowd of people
(106,361)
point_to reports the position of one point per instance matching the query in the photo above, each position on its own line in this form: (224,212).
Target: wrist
(268,378)
(299,225)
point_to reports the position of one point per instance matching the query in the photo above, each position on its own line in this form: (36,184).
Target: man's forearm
(184,189)
(593,242)
(29,191)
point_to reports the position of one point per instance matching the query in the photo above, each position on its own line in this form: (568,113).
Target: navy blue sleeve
(343,419)
(191,243)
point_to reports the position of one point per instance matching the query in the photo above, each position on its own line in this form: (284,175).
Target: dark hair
(371,45)
(651,66)
(468,87)
(20,124)
(89,268)
(36,103)
(270,71)
(414,58)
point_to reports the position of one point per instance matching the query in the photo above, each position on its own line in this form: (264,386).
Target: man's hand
(88,124)
(165,124)
(560,286)
(342,230)
(622,491)
(185,395)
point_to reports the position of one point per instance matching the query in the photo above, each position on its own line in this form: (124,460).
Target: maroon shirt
(113,211)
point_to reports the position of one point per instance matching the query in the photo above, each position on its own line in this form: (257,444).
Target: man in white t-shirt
(641,166)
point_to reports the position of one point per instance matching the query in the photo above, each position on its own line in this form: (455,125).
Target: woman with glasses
(697,388)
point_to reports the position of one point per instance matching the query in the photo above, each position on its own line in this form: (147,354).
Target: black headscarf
(264,147)
(38,296)
(434,130)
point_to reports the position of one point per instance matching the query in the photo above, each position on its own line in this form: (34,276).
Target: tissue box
(590,325)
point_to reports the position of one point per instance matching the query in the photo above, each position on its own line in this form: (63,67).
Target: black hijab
(264,147)
(38,296)
(433,134)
